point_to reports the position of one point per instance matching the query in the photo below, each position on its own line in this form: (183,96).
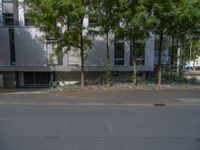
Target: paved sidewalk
(123,97)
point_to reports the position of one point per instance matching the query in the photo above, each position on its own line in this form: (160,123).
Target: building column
(21,13)
(127,53)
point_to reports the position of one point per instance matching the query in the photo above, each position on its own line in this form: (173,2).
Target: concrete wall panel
(4,47)
(30,49)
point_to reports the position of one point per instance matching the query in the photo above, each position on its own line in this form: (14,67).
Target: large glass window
(28,21)
(12,46)
(54,58)
(10,12)
(140,53)
(93,21)
(119,53)
(165,57)
(8,19)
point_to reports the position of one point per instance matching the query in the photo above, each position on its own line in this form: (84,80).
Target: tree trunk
(107,76)
(134,62)
(172,55)
(160,59)
(107,48)
(181,57)
(194,64)
(178,58)
(82,57)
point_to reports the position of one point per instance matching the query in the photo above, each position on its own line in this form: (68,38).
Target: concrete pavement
(125,97)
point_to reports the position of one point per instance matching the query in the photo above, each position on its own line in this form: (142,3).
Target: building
(25,56)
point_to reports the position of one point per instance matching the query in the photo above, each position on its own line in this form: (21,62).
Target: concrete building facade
(25,55)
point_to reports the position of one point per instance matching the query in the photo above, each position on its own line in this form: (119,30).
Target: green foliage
(173,79)
(51,59)
(194,46)
(193,80)
(170,79)
(62,20)
(105,12)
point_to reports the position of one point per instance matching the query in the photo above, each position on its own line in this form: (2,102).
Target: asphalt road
(109,120)
(111,127)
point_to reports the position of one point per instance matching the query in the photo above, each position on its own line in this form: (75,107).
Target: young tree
(162,13)
(185,26)
(62,20)
(192,51)
(135,20)
(173,17)
(105,13)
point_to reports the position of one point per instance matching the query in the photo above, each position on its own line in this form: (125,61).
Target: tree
(62,20)
(135,21)
(171,18)
(192,51)
(103,11)
(185,26)
(162,12)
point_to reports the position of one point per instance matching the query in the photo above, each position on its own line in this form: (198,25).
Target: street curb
(99,104)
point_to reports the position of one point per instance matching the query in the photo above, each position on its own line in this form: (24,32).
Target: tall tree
(62,20)
(171,18)
(105,12)
(192,51)
(162,13)
(135,21)
(185,25)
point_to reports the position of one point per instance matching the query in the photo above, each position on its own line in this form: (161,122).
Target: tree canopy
(63,21)
(132,20)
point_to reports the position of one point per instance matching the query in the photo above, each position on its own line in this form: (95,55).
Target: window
(8,19)
(140,52)
(7,7)
(12,46)
(74,57)
(53,57)
(165,59)
(10,13)
(119,53)
(93,21)
(28,21)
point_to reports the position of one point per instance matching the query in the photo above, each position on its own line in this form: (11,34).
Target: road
(31,126)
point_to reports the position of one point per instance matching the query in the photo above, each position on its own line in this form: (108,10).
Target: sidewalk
(110,97)
(23,91)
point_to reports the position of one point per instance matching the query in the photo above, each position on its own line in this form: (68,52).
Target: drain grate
(159,104)
(197,139)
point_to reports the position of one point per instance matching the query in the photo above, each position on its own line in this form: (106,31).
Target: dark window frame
(12,46)
(6,17)
(28,21)
(14,16)
(140,53)
(119,59)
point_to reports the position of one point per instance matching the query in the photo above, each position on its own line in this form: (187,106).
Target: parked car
(188,67)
